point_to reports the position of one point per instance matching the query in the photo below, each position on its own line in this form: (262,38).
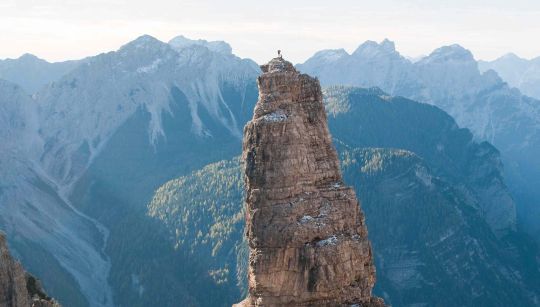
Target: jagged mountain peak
(180,42)
(492,77)
(371,48)
(388,44)
(143,42)
(453,52)
(144,74)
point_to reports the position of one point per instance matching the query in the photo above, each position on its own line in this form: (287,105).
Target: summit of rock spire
(278,65)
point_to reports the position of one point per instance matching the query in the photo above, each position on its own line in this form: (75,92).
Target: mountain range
(112,194)
(104,136)
(450,78)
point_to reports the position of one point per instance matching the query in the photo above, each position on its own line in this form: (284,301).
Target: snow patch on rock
(333,240)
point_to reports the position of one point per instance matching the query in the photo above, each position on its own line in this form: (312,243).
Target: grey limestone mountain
(86,152)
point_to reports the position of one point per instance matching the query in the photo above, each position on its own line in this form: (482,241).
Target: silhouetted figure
(279,54)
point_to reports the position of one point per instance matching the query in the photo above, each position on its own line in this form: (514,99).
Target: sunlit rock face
(306,233)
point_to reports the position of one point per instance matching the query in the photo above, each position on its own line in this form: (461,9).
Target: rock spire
(306,233)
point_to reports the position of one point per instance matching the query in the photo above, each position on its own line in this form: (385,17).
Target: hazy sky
(70,29)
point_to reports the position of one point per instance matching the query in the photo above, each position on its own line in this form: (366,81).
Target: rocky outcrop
(306,233)
(17,287)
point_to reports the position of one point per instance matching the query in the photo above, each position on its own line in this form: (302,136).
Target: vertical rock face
(307,236)
(18,288)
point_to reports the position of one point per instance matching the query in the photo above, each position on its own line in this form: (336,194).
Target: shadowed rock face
(17,287)
(307,236)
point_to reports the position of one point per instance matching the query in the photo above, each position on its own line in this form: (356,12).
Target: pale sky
(70,29)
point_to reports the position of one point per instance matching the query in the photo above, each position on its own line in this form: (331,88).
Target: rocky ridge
(307,235)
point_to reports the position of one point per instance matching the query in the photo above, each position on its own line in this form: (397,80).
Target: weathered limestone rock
(307,236)
(17,287)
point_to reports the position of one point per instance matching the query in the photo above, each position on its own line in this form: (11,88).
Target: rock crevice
(307,235)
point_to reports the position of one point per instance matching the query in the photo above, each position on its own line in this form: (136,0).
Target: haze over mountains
(83,157)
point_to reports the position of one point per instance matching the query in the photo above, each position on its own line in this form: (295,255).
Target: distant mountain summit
(181,42)
(518,72)
(453,52)
(381,65)
(33,73)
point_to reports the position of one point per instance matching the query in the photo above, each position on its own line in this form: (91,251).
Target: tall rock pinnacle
(307,235)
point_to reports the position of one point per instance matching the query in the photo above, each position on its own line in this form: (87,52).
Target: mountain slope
(420,223)
(371,118)
(450,79)
(432,247)
(124,122)
(204,210)
(56,242)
